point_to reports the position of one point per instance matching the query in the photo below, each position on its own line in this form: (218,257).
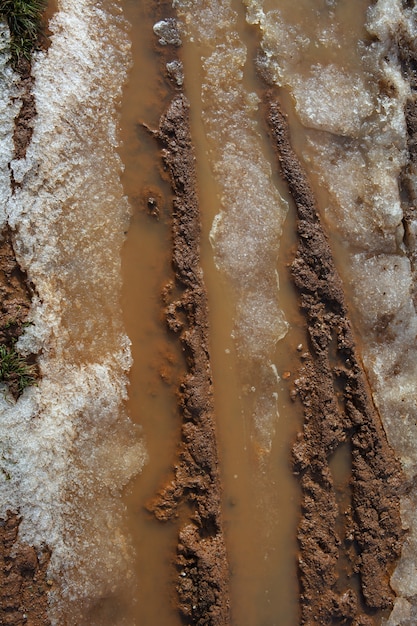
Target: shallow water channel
(260,493)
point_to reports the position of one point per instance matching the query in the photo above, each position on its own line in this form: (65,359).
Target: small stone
(168,33)
(176,72)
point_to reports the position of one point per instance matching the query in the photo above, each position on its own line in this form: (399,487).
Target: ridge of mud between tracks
(201,561)
(338,408)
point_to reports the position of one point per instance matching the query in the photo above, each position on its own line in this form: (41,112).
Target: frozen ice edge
(67,445)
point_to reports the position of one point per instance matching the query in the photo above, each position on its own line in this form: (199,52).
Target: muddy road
(207,325)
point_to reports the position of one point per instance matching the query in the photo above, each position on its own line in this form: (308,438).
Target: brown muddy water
(300,548)
(261,500)
(261,506)
(157,361)
(260,534)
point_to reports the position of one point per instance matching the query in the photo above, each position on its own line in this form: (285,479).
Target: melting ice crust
(67,444)
(246,232)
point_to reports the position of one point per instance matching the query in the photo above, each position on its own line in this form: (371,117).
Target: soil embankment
(23,578)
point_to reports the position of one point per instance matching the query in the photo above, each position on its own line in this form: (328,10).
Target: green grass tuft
(15,372)
(24,18)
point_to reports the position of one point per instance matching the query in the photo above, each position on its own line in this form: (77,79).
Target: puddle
(261,496)
(260,503)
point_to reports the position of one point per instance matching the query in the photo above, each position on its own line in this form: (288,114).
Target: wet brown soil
(23,126)
(15,301)
(23,584)
(194,492)
(338,408)
(14,293)
(23,581)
